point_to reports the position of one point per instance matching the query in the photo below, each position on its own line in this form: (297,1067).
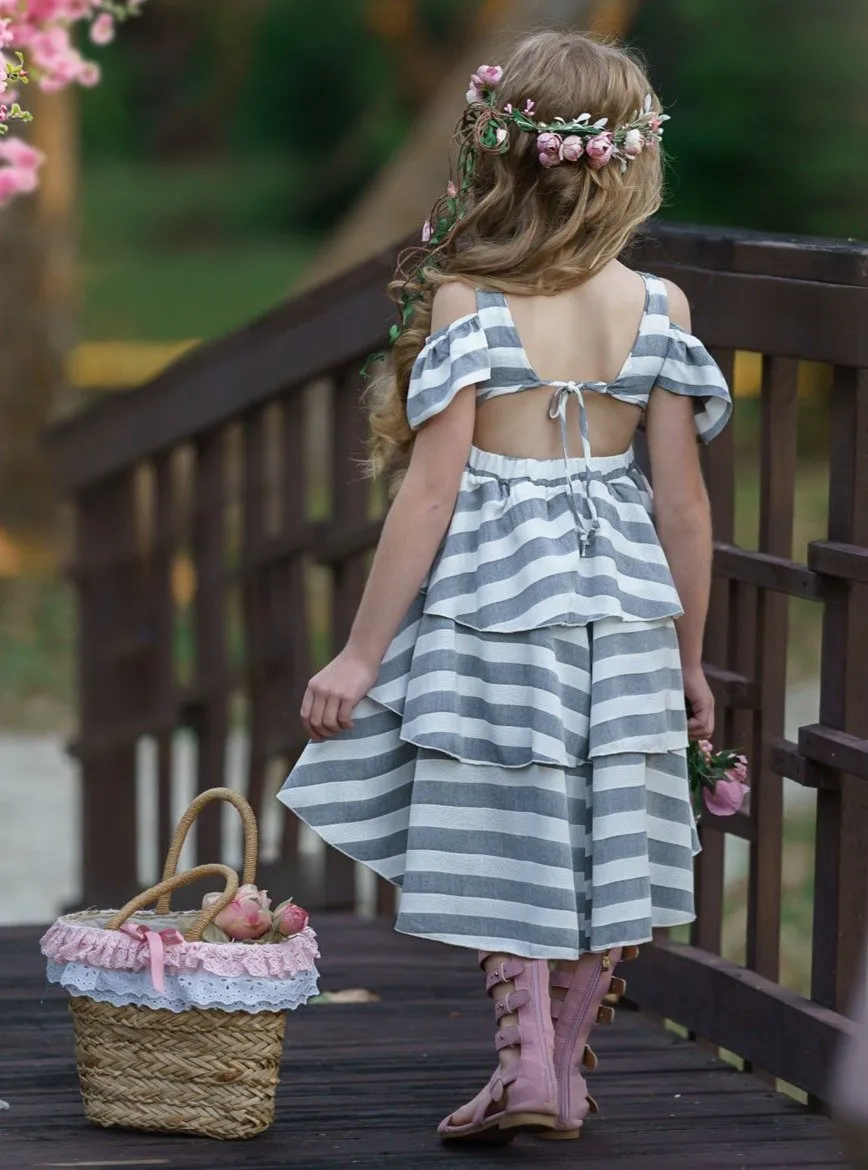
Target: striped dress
(519,768)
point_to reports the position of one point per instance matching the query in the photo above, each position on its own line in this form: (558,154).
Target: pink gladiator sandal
(524,1095)
(586,987)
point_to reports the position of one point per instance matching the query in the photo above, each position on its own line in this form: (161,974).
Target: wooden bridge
(221,541)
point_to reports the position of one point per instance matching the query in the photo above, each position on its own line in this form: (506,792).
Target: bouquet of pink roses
(717,779)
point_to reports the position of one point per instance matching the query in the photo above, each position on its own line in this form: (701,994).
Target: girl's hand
(331,695)
(700,725)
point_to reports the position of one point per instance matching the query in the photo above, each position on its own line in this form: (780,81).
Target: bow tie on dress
(587,526)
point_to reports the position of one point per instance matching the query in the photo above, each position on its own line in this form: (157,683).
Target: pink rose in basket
(290,919)
(247,915)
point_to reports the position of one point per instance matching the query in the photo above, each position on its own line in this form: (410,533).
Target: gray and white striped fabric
(527,793)
(510,560)
(519,769)
(485,349)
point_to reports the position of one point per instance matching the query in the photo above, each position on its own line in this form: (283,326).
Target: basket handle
(164,888)
(251,836)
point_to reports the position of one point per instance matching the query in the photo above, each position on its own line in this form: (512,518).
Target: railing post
(842,814)
(112,688)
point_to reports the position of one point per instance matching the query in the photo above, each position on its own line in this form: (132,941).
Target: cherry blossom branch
(37,43)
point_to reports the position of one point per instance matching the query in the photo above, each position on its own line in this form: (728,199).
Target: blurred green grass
(174,253)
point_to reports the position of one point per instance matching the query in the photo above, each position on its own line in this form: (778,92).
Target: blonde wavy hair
(525,228)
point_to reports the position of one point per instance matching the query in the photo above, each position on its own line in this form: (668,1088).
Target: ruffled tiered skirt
(519,767)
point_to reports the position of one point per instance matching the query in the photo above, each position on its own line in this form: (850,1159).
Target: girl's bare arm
(412,533)
(683,518)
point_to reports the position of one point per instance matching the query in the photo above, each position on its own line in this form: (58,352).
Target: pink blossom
(451,189)
(16,181)
(426,231)
(6,34)
(655,122)
(102,31)
(474,93)
(78,9)
(18,154)
(549,143)
(707,748)
(289,919)
(572,149)
(550,160)
(4,113)
(488,75)
(599,149)
(633,143)
(500,135)
(529,107)
(89,74)
(739,770)
(10,185)
(727,797)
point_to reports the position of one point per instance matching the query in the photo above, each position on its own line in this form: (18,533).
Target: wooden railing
(222,534)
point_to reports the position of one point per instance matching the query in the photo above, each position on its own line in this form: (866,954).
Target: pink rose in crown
(572,148)
(488,75)
(599,149)
(655,122)
(549,143)
(247,916)
(289,919)
(550,160)
(633,144)
(727,797)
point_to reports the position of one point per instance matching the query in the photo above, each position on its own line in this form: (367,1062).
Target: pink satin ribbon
(157,941)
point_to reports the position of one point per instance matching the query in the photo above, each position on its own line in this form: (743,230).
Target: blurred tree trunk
(396,202)
(177,36)
(36,320)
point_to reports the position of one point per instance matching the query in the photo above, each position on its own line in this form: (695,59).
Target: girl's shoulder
(452,300)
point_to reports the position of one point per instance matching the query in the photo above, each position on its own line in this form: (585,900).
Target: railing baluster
(719,470)
(112,686)
(288,598)
(780,408)
(165,698)
(350,494)
(210,680)
(256,614)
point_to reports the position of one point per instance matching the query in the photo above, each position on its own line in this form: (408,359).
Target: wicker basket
(209,1072)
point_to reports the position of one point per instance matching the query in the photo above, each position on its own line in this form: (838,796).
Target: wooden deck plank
(364,1085)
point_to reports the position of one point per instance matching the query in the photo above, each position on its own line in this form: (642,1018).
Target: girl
(504,734)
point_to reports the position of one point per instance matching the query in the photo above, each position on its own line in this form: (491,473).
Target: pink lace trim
(82,939)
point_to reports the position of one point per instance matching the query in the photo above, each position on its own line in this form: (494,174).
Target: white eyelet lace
(185,990)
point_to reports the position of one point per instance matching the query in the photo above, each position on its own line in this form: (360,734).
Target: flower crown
(485,130)
(562,140)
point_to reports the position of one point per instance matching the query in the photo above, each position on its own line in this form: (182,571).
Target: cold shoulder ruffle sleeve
(452,358)
(688,368)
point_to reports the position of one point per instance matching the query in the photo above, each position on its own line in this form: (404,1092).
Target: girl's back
(586,335)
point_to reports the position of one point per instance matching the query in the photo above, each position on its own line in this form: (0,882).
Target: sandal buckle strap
(511,1003)
(504,972)
(509,1037)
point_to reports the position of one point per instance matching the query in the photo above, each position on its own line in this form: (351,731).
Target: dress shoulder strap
(487,298)
(657,302)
